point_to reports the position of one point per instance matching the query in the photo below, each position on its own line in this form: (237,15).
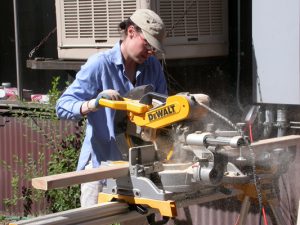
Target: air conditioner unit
(196,28)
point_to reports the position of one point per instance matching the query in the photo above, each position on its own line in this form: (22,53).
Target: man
(110,75)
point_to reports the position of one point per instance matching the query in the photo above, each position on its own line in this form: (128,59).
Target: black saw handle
(147,98)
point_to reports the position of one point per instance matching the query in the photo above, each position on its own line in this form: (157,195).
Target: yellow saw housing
(175,109)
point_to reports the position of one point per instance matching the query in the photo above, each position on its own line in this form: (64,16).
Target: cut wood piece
(78,177)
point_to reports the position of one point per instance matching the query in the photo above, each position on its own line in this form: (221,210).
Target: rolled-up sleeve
(85,87)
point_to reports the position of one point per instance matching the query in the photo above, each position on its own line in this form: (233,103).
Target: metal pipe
(207,139)
(281,121)
(17,49)
(268,124)
(294,125)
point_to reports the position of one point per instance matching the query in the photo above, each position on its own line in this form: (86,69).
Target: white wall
(275,32)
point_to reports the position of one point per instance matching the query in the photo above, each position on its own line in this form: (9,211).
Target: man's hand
(110,95)
(93,104)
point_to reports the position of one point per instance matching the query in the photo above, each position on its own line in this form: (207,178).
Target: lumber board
(273,143)
(78,177)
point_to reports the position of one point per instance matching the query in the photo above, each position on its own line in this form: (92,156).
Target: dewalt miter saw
(174,164)
(180,159)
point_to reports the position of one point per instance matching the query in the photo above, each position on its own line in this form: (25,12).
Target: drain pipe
(268,124)
(17,48)
(281,121)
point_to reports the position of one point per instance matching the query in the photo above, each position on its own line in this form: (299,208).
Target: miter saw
(175,156)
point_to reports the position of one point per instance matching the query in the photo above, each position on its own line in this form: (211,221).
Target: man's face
(139,48)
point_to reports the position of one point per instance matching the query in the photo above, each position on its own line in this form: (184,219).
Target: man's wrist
(91,105)
(87,107)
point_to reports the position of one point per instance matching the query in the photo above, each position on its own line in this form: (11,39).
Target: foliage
(54,93)
(63,158)
(32,168)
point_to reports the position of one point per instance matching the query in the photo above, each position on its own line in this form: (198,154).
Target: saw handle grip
(147,98)
(127,105)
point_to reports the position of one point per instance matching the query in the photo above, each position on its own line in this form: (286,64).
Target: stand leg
(276,213)
(244,210)
(298,217)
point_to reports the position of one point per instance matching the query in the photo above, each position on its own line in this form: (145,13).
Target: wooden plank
(273,143)
(78,177)
(54,64)
(264,145)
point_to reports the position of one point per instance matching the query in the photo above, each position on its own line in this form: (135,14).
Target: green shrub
(25,194)
(63,158)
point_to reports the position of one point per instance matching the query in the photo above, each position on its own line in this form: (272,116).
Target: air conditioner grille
(96,19)
(191,18)
(195,28)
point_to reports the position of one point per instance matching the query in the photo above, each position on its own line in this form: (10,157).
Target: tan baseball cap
(152,27)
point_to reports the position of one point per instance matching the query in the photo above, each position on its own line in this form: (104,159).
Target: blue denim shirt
(104,71)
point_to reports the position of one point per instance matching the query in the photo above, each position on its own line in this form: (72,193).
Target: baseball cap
(151,25)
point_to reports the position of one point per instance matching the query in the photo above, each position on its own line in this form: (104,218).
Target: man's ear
(130,31)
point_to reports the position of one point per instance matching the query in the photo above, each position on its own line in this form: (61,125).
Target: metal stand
(298,217)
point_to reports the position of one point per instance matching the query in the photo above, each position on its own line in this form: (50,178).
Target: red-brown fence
(23,139)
